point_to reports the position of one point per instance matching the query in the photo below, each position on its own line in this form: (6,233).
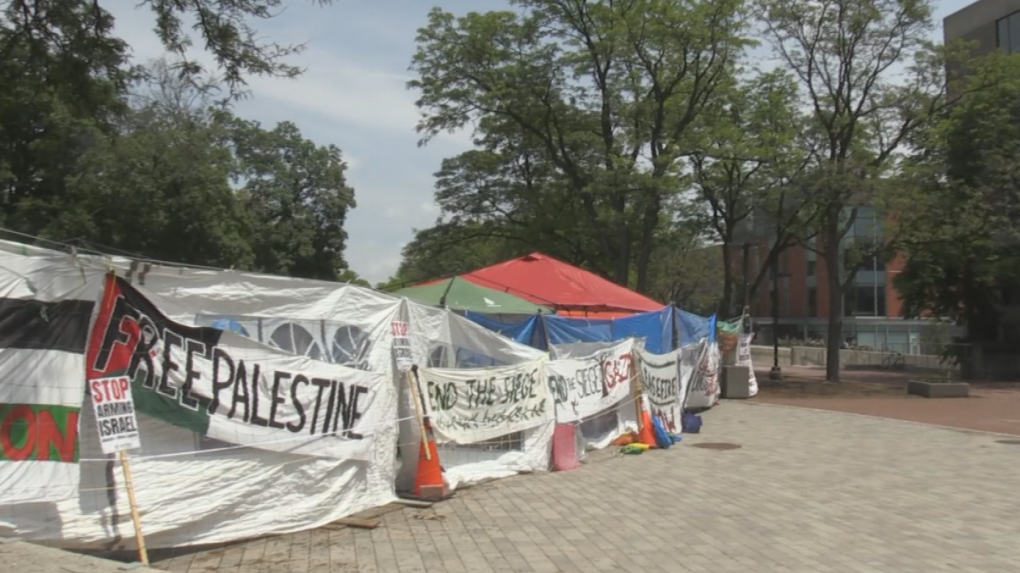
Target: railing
(949,358)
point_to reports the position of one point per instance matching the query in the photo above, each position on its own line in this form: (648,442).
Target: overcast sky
(353,95)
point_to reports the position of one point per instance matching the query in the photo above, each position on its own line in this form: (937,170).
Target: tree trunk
(622,240)
(725,306)
(648,224)
(833,263)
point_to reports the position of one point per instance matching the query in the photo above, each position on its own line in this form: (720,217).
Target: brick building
(872,307)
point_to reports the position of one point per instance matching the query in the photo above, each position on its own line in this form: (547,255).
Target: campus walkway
(807,491)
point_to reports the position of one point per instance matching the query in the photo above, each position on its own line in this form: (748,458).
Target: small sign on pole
(402,345)
(118,433)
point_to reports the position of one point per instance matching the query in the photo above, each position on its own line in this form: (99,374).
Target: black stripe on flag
(29,324)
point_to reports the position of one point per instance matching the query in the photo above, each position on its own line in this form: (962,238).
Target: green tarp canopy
(464,295)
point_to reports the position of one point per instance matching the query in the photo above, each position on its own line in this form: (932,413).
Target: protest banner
(662,386)
(401,345)
(744,359)
(468,406)
(115,414)
(228,387)
(583,387)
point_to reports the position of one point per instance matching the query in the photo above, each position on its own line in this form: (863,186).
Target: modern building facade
(990,24)
(872,307)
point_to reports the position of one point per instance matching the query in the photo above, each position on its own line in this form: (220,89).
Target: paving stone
(808,492)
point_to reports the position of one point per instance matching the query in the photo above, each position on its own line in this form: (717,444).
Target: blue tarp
(526,331)
(655,327)
(692,328)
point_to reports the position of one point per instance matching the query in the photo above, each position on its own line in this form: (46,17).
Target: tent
(544,280)
(459,294)
(195,489)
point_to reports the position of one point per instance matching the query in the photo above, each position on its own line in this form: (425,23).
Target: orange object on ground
(429,476)
(647,435)
(625,439)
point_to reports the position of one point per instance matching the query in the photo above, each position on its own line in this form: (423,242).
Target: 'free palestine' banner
(228,387)
(473,405)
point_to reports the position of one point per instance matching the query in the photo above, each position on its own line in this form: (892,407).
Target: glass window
(1014,33)
(1003,38)
(811,268)
(864,300)
(812,302)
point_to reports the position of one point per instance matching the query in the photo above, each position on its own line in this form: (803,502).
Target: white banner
(664,387)
(704,391)
(744,359)
(228,387)
(690,355)
(468,406)
(583,387)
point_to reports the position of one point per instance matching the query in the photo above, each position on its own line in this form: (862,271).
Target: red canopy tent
(544,280)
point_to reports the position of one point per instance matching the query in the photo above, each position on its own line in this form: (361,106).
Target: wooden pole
(418,414)
(142,553)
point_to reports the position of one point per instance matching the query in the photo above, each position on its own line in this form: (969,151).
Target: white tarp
(663,387)
(442,339)
(705,390)
(474,405)
(583,387)
(45,310)
(584,349)
(194,489)
(744,359)
(224,386)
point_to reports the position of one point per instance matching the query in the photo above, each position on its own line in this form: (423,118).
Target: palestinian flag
(230,388)
(44,323)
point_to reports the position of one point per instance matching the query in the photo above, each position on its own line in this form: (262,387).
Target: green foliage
(159,187)
(449,249)
(297,197)
(81,31)
(870,78)
(96,151)
(962,226)
(749,160)
(582,114)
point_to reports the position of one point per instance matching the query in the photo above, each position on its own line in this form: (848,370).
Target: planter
(735,382)
(938,389)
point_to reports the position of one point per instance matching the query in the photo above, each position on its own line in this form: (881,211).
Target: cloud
(352,94)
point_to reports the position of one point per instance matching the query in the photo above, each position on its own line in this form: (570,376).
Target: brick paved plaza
(809,491)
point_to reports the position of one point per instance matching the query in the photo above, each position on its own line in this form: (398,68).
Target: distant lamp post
(776,373)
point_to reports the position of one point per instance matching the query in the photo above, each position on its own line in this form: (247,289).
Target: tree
(297,197)
(47,26)
(350,277)
(159,184)
(960,233)
(57,98)
(870,77)
(604,93)
(450,249)
(688,271)
(750,152)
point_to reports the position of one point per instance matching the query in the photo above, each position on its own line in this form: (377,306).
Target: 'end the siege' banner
(473,405)
(230,388)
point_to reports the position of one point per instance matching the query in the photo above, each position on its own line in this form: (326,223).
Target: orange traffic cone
(647,435)
(428,480)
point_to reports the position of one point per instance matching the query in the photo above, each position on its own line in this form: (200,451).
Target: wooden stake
(124,463)
(418,414)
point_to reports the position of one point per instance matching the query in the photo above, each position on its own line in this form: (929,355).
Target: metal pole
(776,373)
(747,262)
